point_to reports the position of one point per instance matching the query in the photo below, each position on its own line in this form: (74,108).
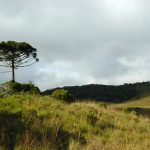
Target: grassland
(43,123)
(140,106)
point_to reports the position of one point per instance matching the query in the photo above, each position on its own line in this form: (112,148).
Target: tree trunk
(13,71)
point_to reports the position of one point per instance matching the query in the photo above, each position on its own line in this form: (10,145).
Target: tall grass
(43,123)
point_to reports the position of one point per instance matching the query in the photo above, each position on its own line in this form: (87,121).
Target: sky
(80,41)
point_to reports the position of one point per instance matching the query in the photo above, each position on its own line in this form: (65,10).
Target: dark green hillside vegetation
(34,122)
(108,93)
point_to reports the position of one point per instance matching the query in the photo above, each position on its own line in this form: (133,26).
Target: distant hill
(107,93)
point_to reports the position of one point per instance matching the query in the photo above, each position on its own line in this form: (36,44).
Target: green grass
(143,103)
(43,123)
(140,106)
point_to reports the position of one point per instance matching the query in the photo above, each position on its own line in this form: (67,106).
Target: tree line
(107,93)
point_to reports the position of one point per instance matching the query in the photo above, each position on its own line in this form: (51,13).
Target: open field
(43,123)
(143,102)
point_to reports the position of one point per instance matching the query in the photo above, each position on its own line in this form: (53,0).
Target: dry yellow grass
(56,125)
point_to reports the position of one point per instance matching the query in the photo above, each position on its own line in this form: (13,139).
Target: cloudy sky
(80,41)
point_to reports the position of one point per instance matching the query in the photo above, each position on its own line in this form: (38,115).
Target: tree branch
(26,65)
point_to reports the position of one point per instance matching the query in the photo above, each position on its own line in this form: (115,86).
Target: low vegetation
(10,88)
(34,122)
(62,94)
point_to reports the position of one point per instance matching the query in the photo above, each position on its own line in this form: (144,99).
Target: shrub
(92,119)
(1,95)
(15,87)
(102,104)
(62,94)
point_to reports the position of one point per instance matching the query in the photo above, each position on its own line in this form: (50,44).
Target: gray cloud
(80,41)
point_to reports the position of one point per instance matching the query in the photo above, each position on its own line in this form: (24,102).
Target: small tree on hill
(62,94)
(17,54)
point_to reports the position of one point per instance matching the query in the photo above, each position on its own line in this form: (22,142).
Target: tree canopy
(17,54)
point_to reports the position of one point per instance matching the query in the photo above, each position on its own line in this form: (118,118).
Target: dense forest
(107,93)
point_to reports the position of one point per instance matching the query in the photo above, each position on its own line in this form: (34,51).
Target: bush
(15,87)
(1,95)
(62,94)
(102,104)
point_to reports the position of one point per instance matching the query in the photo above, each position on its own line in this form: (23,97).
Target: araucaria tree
(17,54)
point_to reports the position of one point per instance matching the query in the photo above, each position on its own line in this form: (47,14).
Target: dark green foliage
(15,87)
(1,95)
(108,93)
(62,94)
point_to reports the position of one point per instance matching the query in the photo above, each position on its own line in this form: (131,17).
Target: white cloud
(80,41)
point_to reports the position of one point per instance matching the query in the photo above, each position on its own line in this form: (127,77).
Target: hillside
(138,103)
(107,93)
(43,123)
